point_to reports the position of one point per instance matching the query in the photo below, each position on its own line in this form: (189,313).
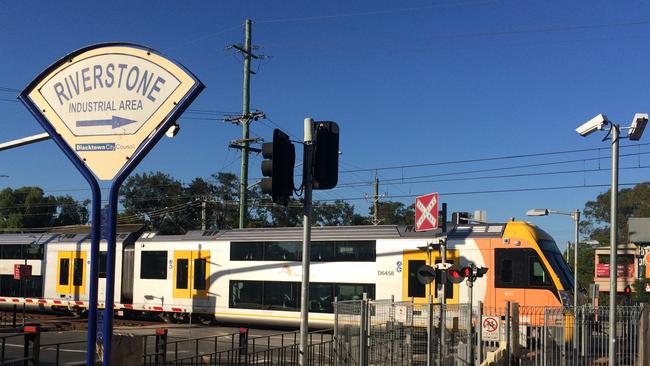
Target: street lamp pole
(576,218)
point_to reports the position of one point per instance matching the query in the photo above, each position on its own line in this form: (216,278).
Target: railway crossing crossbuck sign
(426,212)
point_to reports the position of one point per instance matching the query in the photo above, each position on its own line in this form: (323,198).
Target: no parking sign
(490,328)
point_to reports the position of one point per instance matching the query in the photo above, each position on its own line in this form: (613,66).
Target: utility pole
(246,117)
(375,216)
(203,214)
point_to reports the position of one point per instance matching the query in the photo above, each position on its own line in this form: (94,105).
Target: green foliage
(632,202)
(29,207)
(157,200)
(640,295)
(395,213)
(338,213)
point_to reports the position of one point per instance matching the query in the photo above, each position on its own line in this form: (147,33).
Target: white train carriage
(253,275)
(20,249)
(67,273)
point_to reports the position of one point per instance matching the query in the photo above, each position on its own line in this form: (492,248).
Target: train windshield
(559,266)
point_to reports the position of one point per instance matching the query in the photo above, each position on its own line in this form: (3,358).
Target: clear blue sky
(409,83)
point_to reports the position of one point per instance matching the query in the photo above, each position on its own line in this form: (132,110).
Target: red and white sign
(22,271)
(426,212)
(490,328)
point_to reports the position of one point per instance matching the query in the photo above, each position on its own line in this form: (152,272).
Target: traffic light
(628,290)
(280,156)
(455,274)
(467,272)
(326,155)
(479,272)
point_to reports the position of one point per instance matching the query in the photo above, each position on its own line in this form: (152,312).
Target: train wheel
(206,319)
(167,317)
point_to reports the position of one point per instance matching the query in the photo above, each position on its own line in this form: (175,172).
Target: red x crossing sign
(426,212)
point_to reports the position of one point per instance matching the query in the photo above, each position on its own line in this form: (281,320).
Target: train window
(247,251)
(153,265)
(64,271)
(283,251)
(33,251)
(538,276)
(506,271)
(11,251)
(102,265)
(281,295)
(19,251)
(354,291)
(511,268)
(78,272)
(358,251)
(182,271)
(322,251)
(246,294)
(415,288)
(200,273)
(321,297)
(27,288)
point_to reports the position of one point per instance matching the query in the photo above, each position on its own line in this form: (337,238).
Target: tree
(632,202)
(70,211)
(395,213)
(338,213)
(157,200)
(29,207)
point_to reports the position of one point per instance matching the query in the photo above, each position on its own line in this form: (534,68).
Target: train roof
(27,239)
(322,233)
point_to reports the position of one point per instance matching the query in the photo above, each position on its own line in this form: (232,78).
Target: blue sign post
(106,106)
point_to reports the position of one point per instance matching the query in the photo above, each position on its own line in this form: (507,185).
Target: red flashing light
(466,272)
(628,290)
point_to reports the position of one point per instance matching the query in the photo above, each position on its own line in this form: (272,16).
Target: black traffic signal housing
(455,274)
(628,290)
(326,155)
(280,157)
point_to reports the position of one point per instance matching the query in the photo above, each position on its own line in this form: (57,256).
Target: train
(252,276)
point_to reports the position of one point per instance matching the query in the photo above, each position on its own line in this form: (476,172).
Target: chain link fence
(390,333)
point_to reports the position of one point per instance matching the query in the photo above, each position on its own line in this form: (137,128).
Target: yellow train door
(191,273)
(412,288)
(71,273)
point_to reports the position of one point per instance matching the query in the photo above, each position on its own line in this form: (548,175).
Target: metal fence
(405,333)
(240,350)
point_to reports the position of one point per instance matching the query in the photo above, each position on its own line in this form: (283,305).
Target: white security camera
(173,130)
(639,122)
(594,124)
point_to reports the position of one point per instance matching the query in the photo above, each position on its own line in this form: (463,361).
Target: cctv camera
(173,130)
(594,124)
(639,122)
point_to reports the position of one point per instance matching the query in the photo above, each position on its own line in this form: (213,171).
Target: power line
(407,180)
(478,160)
(500,191)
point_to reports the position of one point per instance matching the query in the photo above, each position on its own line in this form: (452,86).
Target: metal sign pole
(303,354)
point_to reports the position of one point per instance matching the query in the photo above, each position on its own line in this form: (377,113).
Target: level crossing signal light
(456,274)
(280,157)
